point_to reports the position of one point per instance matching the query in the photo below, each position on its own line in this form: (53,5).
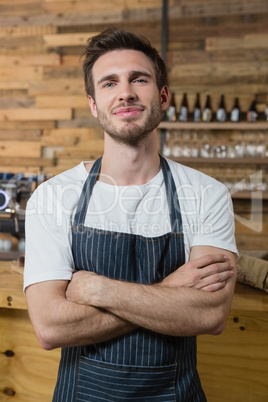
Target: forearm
(84,326)
(176,306)
(170,310)
(59,322)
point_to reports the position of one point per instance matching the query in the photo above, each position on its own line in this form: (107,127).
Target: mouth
(130,111)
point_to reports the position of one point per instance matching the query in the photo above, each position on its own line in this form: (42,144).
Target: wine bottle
(235,113)
(184,109)
(172,109)
(197,109)
(221,111)
(252,113)
(207,112)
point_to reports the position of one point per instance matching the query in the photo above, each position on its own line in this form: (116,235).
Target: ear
(165,97)
(92,106)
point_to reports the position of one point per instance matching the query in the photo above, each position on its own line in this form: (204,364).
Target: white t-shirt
(206,209)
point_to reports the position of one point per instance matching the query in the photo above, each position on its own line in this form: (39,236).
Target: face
(127,100)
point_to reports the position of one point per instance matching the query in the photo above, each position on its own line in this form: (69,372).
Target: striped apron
(142,365)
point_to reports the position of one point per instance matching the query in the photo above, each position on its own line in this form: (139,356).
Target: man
(130,257)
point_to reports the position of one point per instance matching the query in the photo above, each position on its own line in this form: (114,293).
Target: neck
(127,165)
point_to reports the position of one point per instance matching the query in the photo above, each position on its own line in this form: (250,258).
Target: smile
(128,111)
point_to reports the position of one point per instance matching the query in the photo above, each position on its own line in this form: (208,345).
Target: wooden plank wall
(45,122)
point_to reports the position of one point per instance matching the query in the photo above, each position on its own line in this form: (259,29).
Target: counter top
(12,296)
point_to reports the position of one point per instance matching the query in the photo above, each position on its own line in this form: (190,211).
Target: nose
(126,92)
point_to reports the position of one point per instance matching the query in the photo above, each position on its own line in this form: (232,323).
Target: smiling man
(139,110)
(125,304)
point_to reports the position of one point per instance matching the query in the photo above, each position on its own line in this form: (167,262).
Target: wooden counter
(28,373)
(11,295)
(233,366)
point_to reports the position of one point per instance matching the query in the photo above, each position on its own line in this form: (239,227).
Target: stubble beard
(132,133)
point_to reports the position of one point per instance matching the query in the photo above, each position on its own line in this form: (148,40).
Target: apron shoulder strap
(86,193)
(172,197)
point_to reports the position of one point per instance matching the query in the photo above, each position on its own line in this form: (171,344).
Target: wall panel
(213,47)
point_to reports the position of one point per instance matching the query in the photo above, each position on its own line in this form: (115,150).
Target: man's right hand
(209,273)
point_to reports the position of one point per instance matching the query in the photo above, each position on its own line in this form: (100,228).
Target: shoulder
(67,185)
(73,176)
(78,172)
(187,177)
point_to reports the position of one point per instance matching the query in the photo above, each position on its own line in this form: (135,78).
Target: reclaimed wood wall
(45,122)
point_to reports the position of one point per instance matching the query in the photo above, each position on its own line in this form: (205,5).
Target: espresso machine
(15,190)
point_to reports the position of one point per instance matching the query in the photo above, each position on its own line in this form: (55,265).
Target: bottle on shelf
(197,109)
(207,112)
(183,116)
(235,113)
(252,113)
(221,111)
(172,109)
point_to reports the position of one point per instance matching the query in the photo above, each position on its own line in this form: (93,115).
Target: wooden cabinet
(233,366)
(27,372)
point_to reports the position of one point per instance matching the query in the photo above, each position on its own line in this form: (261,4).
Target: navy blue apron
(142,365)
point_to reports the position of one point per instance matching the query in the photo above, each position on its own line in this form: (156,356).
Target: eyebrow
(134,73)
(107,78)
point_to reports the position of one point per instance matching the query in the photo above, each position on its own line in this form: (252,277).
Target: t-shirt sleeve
(216,220)
(48,254)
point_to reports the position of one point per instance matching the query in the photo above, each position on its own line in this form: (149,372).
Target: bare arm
(59,322)
(169,307)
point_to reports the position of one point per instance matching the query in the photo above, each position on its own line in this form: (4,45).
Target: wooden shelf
(10,255)
(253,195)
(220,161)
(167,125)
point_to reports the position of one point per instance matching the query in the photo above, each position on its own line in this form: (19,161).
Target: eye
(109,84)
(140,80)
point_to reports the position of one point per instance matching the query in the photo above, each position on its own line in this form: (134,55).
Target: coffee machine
(15,190)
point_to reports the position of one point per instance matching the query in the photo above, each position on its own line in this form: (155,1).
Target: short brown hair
(114,39)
